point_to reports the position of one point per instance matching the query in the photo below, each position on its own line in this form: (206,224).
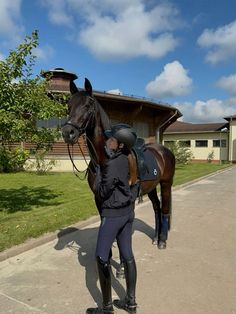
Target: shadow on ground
(83,241)
(25,198)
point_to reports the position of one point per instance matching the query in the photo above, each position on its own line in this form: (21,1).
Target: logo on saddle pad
(155,172)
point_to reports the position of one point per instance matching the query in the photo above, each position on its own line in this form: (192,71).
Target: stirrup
(127,305)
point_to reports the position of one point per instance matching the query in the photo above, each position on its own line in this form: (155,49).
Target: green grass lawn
(31,205)
(186,173)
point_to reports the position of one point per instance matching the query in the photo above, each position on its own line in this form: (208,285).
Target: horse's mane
(106,124)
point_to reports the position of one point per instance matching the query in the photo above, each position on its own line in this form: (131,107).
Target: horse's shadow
(141,226)
(83,241)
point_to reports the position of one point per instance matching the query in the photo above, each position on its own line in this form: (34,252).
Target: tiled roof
(182,127)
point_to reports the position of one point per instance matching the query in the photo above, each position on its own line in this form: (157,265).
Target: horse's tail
(133,171)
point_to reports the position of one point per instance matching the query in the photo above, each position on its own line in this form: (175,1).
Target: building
(217,140)
(150,119)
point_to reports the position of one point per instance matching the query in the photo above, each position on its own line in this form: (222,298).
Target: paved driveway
(196,274)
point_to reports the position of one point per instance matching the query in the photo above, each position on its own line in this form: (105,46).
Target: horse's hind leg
(165,213)
(157,210)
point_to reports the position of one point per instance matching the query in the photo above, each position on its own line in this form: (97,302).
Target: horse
(86,116)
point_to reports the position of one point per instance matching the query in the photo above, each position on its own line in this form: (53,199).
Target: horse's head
(81,108)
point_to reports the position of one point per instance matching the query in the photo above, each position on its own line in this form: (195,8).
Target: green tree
(24,101)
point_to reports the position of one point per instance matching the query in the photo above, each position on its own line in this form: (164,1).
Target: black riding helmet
(124,133)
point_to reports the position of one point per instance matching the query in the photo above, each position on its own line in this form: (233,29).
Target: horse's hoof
(162,245)
(154,241)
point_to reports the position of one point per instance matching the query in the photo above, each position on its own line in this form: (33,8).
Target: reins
(94,163)
(74,165)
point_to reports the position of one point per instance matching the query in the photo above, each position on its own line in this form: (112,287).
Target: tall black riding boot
(104,274)
(129,304)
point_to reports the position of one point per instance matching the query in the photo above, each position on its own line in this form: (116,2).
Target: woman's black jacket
(112,187)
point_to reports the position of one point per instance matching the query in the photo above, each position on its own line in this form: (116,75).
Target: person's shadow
(83,241)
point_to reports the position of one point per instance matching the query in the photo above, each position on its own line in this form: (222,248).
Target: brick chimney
(59,79)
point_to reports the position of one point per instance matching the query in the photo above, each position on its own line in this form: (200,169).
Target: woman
(117,216)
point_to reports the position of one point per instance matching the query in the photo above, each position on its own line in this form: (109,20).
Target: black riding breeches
(119,228)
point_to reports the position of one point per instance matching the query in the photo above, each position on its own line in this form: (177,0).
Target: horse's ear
(88,87)
(73,88)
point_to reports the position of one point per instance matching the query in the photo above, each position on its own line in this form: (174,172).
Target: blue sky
(179,52)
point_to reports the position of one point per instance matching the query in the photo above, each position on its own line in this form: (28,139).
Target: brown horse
(86,116)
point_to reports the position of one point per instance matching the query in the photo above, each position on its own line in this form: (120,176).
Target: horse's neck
(96,137)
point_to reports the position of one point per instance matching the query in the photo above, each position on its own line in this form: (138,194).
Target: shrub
(210,157)
(41,164)
(12,159)
(183,155)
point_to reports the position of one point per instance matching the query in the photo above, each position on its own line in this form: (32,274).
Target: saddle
(142,163)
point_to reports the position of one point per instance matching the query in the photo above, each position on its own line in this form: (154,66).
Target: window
(223,143)
(51,123)
(201,143)
(216,143)
(168,143)
(185,143)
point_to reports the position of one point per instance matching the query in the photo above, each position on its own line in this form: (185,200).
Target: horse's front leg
(157,210)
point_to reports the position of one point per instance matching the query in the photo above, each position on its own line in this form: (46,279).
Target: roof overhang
(164,114)
(230,118)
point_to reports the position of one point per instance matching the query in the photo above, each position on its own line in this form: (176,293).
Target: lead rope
(84,157)
(74,165)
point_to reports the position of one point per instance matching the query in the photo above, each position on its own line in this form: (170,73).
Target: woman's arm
(105,180)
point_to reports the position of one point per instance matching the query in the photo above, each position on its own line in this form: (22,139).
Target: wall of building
(61,164)
(202,153)
(144,122)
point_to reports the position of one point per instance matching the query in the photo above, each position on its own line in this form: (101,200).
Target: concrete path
(196,274)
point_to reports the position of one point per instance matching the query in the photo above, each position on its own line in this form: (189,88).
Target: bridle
(81,128)
(85,122)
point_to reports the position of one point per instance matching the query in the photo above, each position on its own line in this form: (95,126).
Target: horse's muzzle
(70,134)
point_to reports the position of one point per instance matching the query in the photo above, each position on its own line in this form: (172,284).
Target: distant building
(149,118)
(205,139)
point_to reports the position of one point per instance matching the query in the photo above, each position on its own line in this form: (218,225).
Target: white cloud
(212,110)
(220,42)
(11,26)
(228,83)
(115,91)
(121,29)
(57,12)
(173,81)
(44,53)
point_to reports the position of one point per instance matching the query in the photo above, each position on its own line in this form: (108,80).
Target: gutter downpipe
(158,140)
